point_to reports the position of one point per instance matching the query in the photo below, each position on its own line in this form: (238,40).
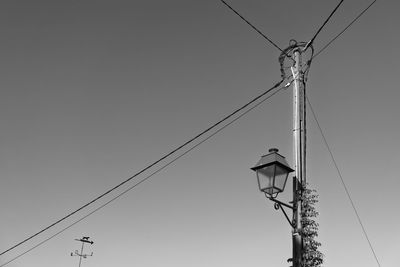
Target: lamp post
(272,170)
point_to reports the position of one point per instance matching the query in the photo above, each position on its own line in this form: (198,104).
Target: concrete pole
(299,145)
(299,118)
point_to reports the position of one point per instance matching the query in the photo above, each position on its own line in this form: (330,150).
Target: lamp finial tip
(273,150)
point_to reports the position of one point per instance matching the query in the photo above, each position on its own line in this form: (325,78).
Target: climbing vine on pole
(311,257)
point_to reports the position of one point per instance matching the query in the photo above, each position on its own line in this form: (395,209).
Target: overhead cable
(348,26)
(146,168)
(343,183)
(251,25)
(155,172)
(323,25)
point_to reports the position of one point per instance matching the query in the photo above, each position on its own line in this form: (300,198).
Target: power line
(152,174)
(325,22)
(348,26)
(146,168)
(251,25)
(343,183)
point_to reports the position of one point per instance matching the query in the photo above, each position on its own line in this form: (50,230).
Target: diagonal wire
(343,183)
(348,26)
(146,168)
(251,25)
(323,25)
(149,176)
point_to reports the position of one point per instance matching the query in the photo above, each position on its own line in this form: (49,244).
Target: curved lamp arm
(279,205)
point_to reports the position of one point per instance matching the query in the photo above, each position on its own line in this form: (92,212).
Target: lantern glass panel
(266,178)
(281,175)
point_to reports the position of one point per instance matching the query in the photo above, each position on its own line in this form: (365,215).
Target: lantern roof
(272,158)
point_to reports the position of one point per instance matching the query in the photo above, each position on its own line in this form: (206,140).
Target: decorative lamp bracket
(279,205)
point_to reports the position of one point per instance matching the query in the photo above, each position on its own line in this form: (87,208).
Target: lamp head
(272,172)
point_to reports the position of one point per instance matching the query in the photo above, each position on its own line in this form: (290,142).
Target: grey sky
(93,91)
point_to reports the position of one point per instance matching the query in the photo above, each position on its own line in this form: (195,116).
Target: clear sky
(93,91)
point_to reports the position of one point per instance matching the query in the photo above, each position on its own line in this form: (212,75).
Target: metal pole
(299,142)
(80,256)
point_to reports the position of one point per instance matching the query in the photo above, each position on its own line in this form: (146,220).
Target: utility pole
(272,169)
(299,149)
(84,240)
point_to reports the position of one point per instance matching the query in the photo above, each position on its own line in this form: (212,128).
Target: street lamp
(272,172)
